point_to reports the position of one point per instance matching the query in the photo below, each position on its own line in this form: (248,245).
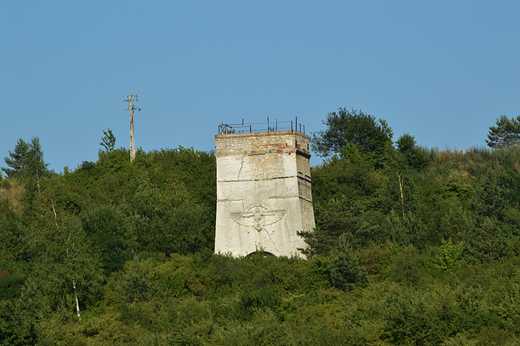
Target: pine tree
(26,161)
(505,134)
(17,160)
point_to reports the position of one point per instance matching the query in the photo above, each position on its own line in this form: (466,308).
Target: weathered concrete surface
(263,192)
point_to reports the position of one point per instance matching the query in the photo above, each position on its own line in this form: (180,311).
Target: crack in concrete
(269,236)
(261,165)
(241,166)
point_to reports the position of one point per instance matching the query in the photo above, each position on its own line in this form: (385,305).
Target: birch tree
(66,268)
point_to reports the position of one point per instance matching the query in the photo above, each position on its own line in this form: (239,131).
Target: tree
(344,269)
(398,191)
(397,198)
(108,141)
(415,158)
(495,219)
(350,175)
(26,161)
(353,127)
(505,134)
(17,160)
(15,244)
(19,317)
(342,218)
(112,234)
(171,221)
(67,268)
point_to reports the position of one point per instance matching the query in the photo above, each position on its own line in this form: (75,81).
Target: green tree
(171,220)
(398,192)
(448,254)
(505,134)
(340,218)
(112,234)
(108,141)
(135,281)
(32,171)
(26,161)
(356,127)
(414,156)
(19,317)
(66,268)
(17,159)
(344,269)
(350,176)
(15,244)
(495,220)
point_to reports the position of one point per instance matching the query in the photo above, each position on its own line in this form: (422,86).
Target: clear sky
(442,71)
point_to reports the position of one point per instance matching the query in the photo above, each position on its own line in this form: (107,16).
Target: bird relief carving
(258,217)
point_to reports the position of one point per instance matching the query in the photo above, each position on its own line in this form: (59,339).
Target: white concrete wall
(263,193)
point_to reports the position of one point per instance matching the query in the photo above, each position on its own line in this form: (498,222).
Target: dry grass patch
(12,190)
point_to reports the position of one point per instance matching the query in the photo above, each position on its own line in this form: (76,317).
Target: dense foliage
(505,134)
(349,129)
(411,247)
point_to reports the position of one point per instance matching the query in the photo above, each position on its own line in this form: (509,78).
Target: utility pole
(131,107)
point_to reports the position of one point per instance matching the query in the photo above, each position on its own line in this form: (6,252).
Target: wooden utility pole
(131,107)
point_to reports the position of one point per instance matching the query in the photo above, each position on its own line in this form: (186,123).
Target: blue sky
(443,71)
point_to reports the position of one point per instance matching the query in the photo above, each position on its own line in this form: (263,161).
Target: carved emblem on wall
(257,216)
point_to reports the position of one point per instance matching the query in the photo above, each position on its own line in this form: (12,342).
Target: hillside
(412,246)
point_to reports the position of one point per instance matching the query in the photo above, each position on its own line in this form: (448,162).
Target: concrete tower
(263,192)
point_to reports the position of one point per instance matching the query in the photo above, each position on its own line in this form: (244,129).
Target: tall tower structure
(263,192)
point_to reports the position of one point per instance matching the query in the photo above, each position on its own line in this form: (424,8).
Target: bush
(252,301)
(344,269)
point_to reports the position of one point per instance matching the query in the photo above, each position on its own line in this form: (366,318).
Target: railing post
(225,129)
